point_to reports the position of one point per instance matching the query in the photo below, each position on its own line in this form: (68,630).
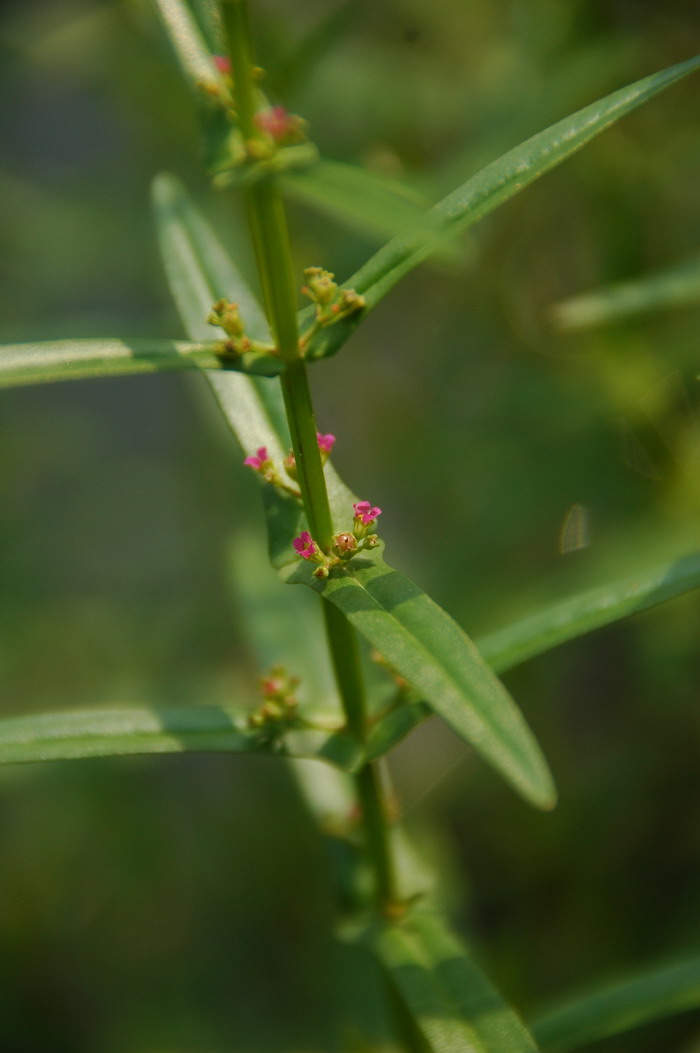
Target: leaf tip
(545,796)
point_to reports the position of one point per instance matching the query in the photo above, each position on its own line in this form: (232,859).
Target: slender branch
(342,642)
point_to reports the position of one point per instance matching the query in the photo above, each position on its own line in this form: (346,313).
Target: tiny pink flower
(325,442)
(222,63)
(256,461)
(290,464)
(365,512)
(304,545)
(275,122)
(273,685)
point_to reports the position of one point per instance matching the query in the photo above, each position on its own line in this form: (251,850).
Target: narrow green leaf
(187,729)
(440,663)
(589,610)
(361,199)
(40,363)
(651,995)
(677,286)
(453,1004)
(208,16)
(485,191)
(189,45)
(199,271)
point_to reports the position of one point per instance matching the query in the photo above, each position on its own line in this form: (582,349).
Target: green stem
(302,426)
(342,641)
(235,14)
(268,225)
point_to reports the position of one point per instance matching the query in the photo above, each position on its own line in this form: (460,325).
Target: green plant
(321,536)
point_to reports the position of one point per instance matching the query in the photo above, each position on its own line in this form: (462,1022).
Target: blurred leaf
(426,647)
(453,1004)
(580,614)
(485,191)
(39,363)
(189,46)
(199,272)
(282,626)
(315,45)
(223,144)
(651,995)
(187,729)
(675,287)
(208,15)
(361,199)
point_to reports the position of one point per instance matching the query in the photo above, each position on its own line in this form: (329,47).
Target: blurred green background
(180,905)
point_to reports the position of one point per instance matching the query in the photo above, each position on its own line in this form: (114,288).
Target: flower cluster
(332,302)
(345,545)
(219,88)
(273,126)
(282,127)
(227,316)
(279,704)
(325,445)
(262,463)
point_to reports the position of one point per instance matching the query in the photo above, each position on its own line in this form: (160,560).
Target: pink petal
(222,63)
(305,545)
(325,442)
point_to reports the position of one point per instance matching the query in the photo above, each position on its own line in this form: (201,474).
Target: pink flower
(325,442)
(275,122)
(365,513)
(256,461)
(304,545)
(222,63)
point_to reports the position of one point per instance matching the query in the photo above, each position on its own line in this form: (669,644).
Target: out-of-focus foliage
(180,904)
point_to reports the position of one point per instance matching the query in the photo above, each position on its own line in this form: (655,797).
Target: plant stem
(268,224)
(345,653)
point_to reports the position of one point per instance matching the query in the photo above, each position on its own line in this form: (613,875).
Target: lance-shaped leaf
(589,610)
(452,1004)
(199,271)
(190,47)
(40,363)
(185,729)
(361,199)
(677,286)
(548,628)
(485,191)
(652,995)
(426,647)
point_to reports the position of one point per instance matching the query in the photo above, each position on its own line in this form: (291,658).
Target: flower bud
(344,543)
